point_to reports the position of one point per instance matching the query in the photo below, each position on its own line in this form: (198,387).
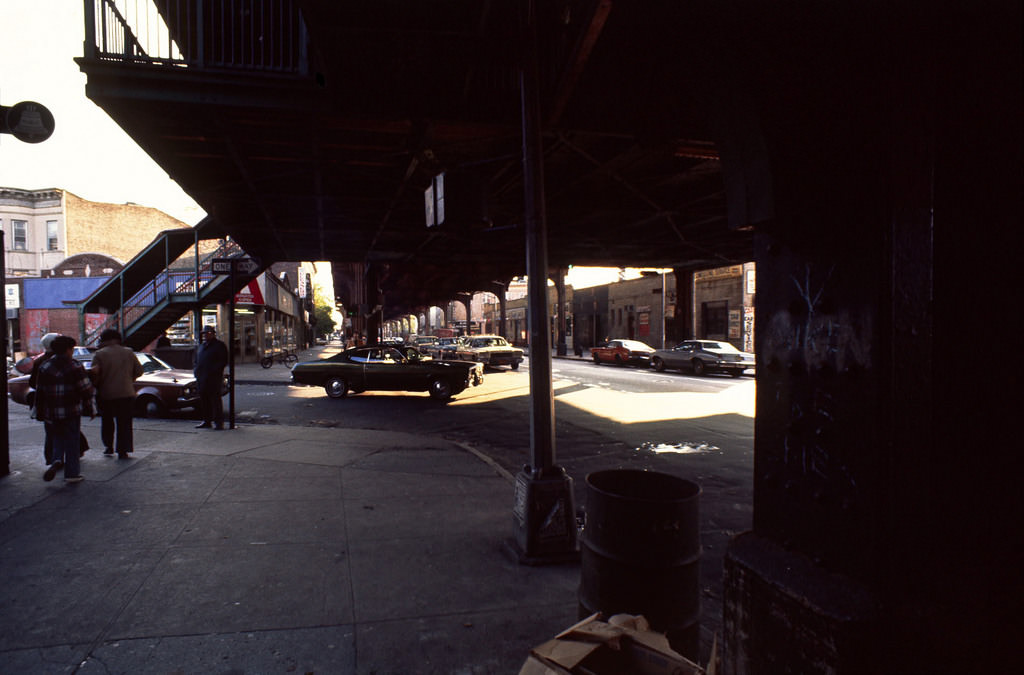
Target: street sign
(249,266)
(29,121)
(221,266)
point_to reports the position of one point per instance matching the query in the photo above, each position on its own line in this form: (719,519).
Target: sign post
(230,267)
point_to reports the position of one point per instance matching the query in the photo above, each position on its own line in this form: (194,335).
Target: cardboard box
(622,644)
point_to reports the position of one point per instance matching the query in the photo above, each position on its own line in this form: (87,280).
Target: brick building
(53,233)
(722,298)
(44,227)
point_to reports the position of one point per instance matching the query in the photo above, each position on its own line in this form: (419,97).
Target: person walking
(63,394)
(114,371)
(211,359)
(46,342)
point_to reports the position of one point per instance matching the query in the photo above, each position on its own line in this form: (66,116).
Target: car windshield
(490,342)
(719,347)
(150,363)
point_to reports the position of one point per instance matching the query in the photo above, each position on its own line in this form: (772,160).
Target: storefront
(267,320)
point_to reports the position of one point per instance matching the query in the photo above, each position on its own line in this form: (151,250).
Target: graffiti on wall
(748,329)
(809,339)
(815,339)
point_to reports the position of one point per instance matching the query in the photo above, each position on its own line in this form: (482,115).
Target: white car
(490,350)
(702,357)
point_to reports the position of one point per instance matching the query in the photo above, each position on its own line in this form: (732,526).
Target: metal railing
(185,283)
(253,35)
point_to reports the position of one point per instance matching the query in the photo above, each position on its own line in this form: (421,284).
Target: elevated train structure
(865,155)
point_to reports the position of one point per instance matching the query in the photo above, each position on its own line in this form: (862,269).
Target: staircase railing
(168,283)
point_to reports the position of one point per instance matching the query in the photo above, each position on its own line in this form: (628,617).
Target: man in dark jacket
(211,359)
(63,395)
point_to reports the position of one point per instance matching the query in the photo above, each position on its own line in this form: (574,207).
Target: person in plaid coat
(63,394)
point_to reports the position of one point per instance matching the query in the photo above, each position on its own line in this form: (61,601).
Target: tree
(324,322)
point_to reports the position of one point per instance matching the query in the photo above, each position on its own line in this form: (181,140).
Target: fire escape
(161,284)
(170,39)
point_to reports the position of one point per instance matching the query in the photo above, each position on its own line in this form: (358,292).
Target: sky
(88,153)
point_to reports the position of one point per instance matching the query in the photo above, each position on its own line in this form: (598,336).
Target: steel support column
(467,301)
(884,476)
(682,320)
(560,310)
(544,510)
(500,290)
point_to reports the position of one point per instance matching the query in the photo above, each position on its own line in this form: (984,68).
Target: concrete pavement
(267,549)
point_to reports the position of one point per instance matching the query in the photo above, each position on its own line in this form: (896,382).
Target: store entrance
(245,343)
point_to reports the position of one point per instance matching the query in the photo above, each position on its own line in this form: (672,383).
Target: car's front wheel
(440,389)
(597,359)
(149,407)
(336,387)
(515,365)
(658,364)
(698,367)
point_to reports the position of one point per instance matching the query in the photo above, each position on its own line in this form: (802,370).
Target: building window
(51,235)
(20,228)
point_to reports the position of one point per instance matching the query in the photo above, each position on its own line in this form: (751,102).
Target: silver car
(702,357)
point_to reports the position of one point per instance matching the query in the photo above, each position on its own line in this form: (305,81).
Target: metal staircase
(161,284)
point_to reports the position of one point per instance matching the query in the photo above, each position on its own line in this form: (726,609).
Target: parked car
(622,352)
(158,390)
(444,348)
(704,356)
(387,369)
(490,350)
(424,340)
(24,366)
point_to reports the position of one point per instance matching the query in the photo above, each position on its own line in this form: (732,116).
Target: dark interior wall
(888,141)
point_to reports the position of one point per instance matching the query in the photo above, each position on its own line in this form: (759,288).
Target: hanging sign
(250,295)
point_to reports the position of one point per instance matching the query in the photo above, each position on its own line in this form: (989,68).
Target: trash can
(640,552)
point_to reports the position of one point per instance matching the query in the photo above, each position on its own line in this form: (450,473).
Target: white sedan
(702,357)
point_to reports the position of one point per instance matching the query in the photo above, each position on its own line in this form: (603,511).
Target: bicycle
(286,357)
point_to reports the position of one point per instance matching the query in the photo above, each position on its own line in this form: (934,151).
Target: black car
(387,369)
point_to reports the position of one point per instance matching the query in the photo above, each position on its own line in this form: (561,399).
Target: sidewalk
(267,549)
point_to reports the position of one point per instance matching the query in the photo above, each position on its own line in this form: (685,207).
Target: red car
(621,352)
(158,390)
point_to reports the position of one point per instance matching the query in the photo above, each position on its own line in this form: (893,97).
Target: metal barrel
(640,552)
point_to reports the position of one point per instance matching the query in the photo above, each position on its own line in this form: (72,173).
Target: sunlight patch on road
(633,408)
(486,393)
(685,448)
